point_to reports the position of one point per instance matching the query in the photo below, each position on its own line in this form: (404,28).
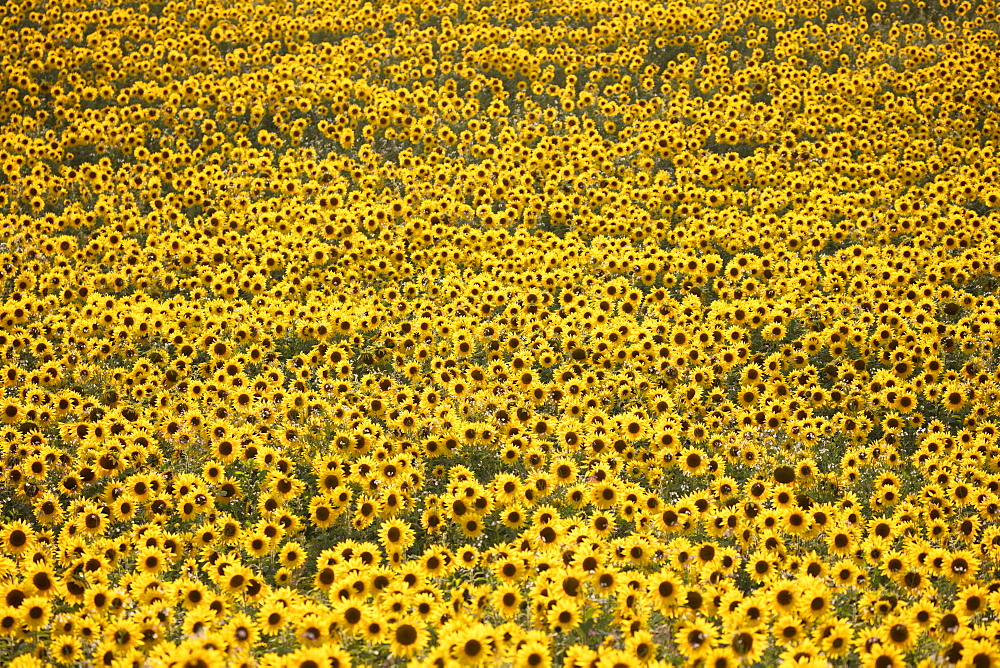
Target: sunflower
(693,461)
(235,579)
(17,538)
(43,581)
(637,550)
(90,628)
(588,558)
(373,631)
(533,653)
(972,600)
(471,527)
(256,543)
(815,598)
(292,555)
(11,412)
(923,614)
(670,520)
(883,656)
(48,510)
(432,520)
(350,615)
(29,660)
(99,598)
(641,645)
(954,399)
(836,637)
(230,530)
(788,630)
(90,520)
(602,524)
(951,626)
(473,647)
(721,657)
(123,634)
(283,577)
(604,495)
(507,600)
(961,567)
(436,562)
(896,632)
(980,653)
(510,569)
(10,622)
(272,616)
(394,602)
(794,521)
(564,616)
(545,535)
(35,611)
(841,542)
(313,628)
(696,639)
(426,606)
(150,560)
(513,516)
(366,511)
(760,567)
(407,638)
(784,595)
(750,614)
(190,593)
(580,656)
(305,657)
(845,573)
(65,650)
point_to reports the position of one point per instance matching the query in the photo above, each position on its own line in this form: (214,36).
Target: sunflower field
(584,333)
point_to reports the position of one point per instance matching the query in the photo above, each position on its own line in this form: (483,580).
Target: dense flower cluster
(586,333)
